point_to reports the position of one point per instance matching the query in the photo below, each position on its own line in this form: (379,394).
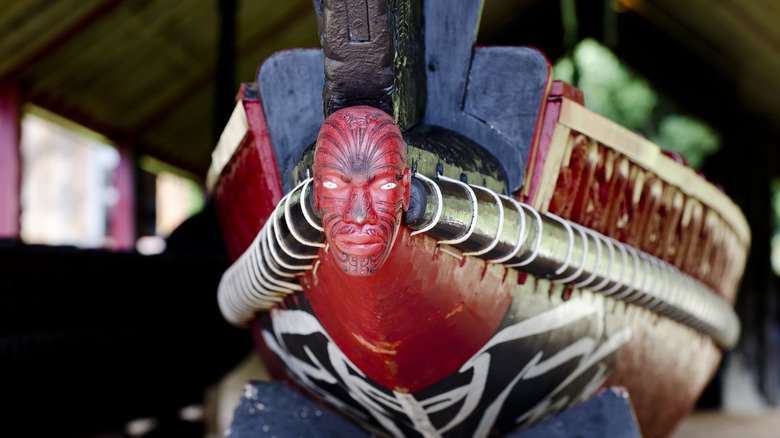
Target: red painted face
(361,186)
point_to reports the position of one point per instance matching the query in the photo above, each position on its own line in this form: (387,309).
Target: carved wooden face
(361,186)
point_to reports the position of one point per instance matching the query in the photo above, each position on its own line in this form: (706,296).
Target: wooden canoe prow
(622,269)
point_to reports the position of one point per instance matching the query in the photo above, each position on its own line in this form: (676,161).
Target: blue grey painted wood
(505,90)
(606,414)
(290,84)
(273,409)
(493,97)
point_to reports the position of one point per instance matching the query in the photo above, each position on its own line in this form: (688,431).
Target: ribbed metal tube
(497,228)
(551,247)
(270,268)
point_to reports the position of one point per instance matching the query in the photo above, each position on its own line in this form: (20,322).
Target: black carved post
(373,56)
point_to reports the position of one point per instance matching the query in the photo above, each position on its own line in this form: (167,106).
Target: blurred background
(110,252)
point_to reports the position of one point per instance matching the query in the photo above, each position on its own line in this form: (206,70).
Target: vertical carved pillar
(373,56)
(10,162)
(122,215)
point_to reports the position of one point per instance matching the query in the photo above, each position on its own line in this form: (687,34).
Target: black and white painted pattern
(534,366)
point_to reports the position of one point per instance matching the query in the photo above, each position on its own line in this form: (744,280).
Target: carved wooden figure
(457,247)
(361,186)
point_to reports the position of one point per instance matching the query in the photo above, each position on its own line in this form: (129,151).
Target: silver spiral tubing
(270,268)
(497,228)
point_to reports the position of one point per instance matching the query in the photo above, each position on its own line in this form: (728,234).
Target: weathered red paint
(250,179)
(665,368)
(425,312)
(361,186)
(417,319)
(538,155)
(404,325)
(10,162)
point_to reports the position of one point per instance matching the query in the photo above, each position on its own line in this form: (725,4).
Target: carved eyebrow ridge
(394,151)
(393,206)
(393,167)
(335,168)
(339,129)
(341,155)
(378,146)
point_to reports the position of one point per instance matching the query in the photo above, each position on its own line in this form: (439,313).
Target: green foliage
(610,89)
(691,138)
(775,243)
(195,197)
(563,70)
(618,93)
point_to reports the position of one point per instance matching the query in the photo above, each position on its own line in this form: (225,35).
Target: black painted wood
(455,149)
(357,41)
(409,97)
(373,56)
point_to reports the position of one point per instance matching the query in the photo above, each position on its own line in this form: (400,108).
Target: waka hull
(444,359)
(454,348)
(441,343)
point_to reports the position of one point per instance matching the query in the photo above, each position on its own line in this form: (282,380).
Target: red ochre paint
(417,319)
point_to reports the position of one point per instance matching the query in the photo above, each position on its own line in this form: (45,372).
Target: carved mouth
(358,243)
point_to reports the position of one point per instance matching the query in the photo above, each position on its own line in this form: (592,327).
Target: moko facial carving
(361,186)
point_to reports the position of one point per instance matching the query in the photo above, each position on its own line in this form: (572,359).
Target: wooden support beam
(122,215)
(10,162)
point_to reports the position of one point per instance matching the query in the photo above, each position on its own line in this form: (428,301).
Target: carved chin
(360,260)
(363,254)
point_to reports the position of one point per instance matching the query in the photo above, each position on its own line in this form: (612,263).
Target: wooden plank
(554,159)
(541,147)
(235,130)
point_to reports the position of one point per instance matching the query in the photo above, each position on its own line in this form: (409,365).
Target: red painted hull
(463,344)
(419,349)
(415,321)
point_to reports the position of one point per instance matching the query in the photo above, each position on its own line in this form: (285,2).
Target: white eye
(329,185)
(388,186)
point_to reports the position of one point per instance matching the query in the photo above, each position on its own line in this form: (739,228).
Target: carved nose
(359,209)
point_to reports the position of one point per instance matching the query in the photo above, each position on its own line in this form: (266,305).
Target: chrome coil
(565,252)
(478,222)
(286,246)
